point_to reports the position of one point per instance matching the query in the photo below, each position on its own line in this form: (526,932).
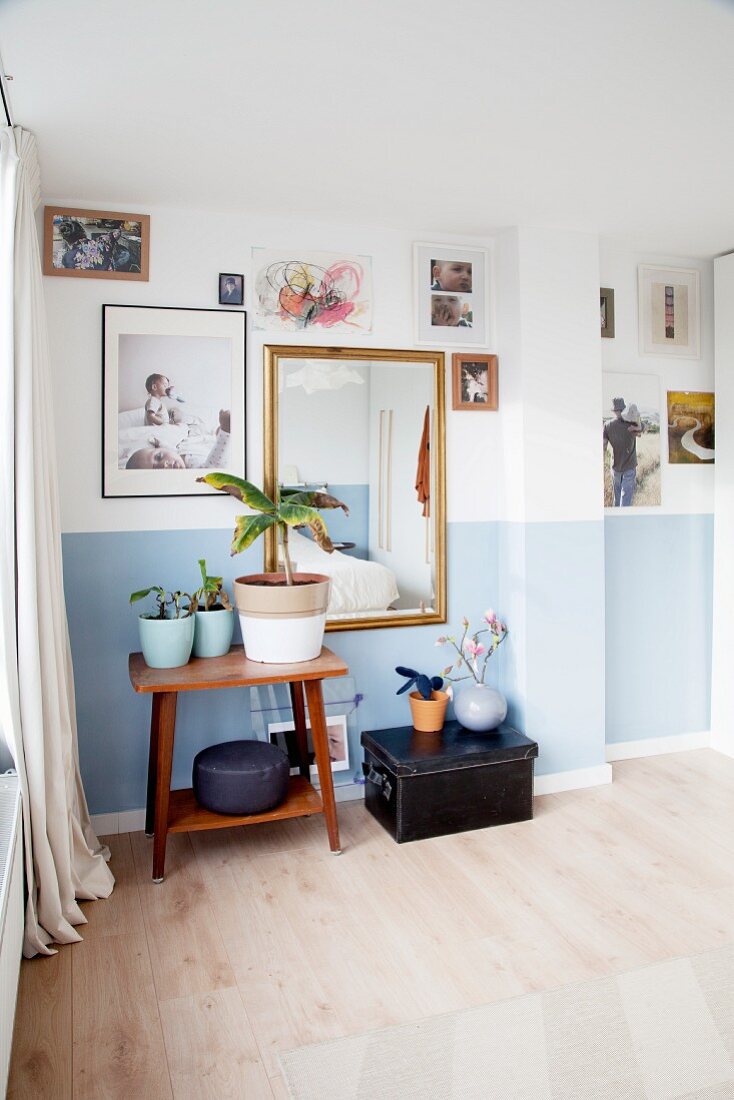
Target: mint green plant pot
(213,632)
(166,643)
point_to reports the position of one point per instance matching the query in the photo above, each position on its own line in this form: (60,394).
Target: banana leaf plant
(211,591)
(291,508)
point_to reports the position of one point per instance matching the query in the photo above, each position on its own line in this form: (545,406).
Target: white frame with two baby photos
(479,299)
(188,349)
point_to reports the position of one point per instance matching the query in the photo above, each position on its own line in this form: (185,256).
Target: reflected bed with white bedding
(356,585)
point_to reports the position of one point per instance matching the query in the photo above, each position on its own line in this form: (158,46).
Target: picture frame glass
(283,735)
(669,311)
(174,399)
(451,291)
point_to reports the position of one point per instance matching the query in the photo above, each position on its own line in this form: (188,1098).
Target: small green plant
(211,592)
(291,508)
(424,684)
(165,600)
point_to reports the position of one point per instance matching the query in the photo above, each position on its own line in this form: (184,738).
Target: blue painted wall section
(659,610)
(100,571)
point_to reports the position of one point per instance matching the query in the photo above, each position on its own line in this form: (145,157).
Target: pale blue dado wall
(658,610)
(659,614)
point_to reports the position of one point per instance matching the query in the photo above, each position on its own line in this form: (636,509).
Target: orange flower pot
(428,714)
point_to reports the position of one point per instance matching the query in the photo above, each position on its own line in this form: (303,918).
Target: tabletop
(231,670)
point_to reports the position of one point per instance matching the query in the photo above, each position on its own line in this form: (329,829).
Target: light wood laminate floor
(260,940)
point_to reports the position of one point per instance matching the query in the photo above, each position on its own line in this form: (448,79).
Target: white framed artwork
(669,311)
(283,734)
(451,291)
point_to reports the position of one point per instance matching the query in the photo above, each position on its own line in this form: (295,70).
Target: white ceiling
(457,118)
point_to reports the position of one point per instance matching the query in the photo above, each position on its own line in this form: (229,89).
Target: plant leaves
(242,490)
(299,515)
(249,528)
(312,499)
(146,592)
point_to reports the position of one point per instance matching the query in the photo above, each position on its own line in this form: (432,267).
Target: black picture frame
(179,322)
(238,297)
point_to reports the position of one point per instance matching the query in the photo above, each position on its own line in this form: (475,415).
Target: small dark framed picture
(474,382)
(606,307)
(231,289)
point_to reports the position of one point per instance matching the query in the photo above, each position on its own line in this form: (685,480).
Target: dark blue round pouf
(240,777)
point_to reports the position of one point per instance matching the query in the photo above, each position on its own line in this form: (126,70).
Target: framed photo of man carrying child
(174,399)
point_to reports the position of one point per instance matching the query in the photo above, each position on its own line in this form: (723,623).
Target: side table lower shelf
(186,815)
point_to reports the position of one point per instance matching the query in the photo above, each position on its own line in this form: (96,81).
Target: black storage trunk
(421,785)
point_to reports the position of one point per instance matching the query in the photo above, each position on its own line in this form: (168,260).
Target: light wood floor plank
(186,949)
(118,1043)
(259,940)
(211,1049)
(121,911)
(40,1065)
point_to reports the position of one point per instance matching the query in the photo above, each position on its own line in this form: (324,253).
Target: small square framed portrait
(606,312)
(95,244)
(174,399)
(452,303)
(283,734)
(474,382)
(669,311)
(231,289)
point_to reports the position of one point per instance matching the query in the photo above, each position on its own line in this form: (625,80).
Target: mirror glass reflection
(364,430)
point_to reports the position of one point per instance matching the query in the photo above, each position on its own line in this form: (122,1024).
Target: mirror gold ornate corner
(369,426)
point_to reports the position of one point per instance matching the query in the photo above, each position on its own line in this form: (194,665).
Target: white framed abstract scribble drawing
(308,291)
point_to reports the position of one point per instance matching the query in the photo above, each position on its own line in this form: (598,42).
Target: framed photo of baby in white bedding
(174,399)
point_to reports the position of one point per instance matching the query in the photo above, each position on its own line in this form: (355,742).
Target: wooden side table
(170,811)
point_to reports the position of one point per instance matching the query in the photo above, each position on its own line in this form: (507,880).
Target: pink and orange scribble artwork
(326,291)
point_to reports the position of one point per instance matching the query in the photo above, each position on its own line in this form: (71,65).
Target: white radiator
(12,914)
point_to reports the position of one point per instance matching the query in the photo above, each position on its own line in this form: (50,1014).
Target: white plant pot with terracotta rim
(282,624)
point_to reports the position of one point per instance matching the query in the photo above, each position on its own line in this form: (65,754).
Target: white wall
(406,390)
(685,488)
(182,275)
(722,685)
(325,434)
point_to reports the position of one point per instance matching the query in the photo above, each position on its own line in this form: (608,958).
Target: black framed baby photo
(174,399)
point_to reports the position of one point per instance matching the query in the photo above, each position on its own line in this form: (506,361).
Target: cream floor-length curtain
(64,860)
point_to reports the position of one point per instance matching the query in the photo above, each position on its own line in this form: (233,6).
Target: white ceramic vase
(480,708)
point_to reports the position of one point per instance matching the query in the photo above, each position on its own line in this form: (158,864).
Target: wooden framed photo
(451,285)
(174,399)
(231,289)
(95,244)
(474,382)
(670,311)
(606,312)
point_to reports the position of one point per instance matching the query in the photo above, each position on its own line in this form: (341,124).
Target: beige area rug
(665,1030)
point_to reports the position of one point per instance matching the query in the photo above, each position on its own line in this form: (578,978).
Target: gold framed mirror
(368,426)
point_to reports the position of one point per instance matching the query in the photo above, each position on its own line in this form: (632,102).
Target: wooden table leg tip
(150,835)
(157,880)
(336,852)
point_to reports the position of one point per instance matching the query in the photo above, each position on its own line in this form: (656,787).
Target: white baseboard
(133,821)
(572,780)
(658,746)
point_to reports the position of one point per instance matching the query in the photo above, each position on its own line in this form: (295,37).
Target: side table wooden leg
(164,761)
(299,721)
(315,700)
(155,717)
